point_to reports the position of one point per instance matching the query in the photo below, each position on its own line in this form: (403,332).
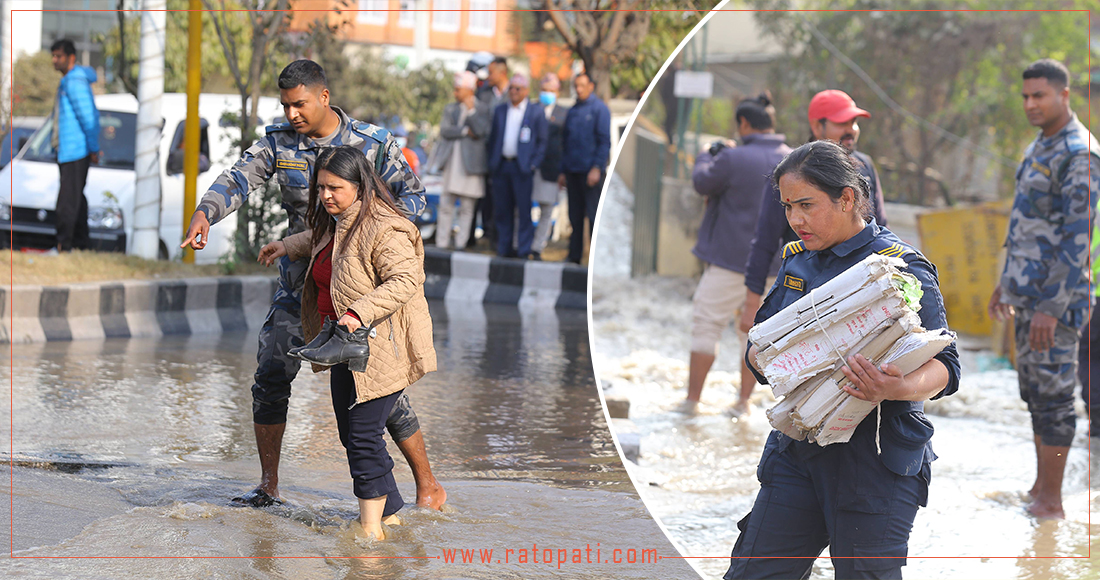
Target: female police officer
(860,497)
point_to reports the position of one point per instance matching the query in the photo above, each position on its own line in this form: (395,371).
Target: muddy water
(697,474)
(132,448)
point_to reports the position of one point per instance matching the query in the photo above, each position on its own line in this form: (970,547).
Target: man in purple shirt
(732,179)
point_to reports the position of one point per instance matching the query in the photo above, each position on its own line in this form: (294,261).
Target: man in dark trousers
(75,137)
(517,143)
(547,191)
(287,153)
(493,93)
(586,146)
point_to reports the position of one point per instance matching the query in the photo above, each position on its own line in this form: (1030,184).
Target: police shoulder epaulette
(373,131)
(792,249)
(895,250)
(278,127)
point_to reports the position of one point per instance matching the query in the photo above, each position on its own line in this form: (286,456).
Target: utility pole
(146,242)
(191,135)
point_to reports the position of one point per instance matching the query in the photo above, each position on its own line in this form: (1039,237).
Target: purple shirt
(733,182)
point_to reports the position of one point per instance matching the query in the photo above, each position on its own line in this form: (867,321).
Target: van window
(116,141)
(174,164)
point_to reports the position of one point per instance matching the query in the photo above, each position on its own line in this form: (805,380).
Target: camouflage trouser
(1048,381)
(275,370)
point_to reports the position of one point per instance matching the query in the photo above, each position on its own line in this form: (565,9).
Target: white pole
(146,240)
(421,35)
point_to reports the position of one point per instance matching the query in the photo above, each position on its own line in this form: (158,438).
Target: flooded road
(697,474)
(131,448)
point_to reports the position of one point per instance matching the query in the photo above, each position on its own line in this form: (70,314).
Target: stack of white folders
(868,309)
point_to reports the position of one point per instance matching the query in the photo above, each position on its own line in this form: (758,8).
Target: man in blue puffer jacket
(75,137)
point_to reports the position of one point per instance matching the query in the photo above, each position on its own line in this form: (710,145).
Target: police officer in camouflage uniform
(287,152)
(1045,280)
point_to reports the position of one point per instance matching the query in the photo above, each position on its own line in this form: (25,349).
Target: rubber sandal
(256,498)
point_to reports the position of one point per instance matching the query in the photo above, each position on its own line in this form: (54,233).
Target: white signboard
(693,85)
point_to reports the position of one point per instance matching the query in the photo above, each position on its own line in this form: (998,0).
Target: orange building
(454,28)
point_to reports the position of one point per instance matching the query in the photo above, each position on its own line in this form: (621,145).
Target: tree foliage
(954,72)
(613,37)
(34,85)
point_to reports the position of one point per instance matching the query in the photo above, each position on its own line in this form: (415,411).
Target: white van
(30,182)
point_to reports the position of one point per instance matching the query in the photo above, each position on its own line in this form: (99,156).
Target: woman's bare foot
(392,520)
(433,498)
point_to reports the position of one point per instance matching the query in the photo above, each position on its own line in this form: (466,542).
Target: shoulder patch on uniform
(278,127)
(792,249)
(291,164)
(794,283)
(373,131)
(894,250)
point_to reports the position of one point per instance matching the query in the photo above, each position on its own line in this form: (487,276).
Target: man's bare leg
(1052,467)
(269,443)
(1037,487)
(698,368)
(748,383)
(429,493)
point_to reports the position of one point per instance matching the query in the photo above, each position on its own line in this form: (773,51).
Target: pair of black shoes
(335,345)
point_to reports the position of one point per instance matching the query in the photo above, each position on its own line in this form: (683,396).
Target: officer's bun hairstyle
(828,167)
(65,45)
(758,111)
(1053,71)
(303,72)
(350,164)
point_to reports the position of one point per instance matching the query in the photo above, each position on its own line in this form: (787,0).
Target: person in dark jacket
(494,92)
(732,179)
(75,137)
(833,116)
(547,190)
(586,147)
(517,142)
(859,498)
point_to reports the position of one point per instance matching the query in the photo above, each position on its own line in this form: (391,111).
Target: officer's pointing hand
(197,232)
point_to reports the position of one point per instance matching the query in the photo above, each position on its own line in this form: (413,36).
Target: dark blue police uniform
(846,496)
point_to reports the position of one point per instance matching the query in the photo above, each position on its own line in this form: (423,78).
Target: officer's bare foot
(1044,510)
(433,497)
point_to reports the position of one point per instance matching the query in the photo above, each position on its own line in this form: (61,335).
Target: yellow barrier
(966,247)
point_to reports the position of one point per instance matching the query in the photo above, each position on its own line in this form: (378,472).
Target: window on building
(483,23)
(407,19)
(445,15)
(373,12)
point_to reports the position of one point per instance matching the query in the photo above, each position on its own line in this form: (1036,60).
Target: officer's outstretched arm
(407,190)
(230,190)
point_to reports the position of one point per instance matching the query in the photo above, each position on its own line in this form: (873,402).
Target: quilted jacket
(381,278)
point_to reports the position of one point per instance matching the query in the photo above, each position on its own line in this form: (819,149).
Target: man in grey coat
(462,155)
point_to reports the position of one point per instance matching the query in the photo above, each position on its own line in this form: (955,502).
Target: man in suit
(547,190)
(494,92)
(586,146)
(517,143)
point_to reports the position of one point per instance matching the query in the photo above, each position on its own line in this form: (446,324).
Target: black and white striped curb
(526,284)
(151,308)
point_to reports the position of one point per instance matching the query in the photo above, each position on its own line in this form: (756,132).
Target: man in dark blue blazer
(517,144)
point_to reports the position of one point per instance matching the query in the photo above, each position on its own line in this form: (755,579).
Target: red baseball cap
(835,106)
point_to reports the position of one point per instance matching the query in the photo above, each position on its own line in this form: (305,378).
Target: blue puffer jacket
(78,119)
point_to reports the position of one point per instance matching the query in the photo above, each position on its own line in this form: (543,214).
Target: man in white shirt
(517,144)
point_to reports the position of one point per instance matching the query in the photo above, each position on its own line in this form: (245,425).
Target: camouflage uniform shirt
(1048,232)
(290,155)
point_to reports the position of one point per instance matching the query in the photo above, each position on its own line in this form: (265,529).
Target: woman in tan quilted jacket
(366,270)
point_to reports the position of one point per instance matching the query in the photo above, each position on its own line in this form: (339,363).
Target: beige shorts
(719,298)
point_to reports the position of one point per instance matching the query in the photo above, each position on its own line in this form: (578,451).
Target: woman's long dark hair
(350,164)
(828,167)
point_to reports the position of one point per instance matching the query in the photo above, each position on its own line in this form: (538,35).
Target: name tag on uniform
(524,134)
(794,283)
(1040,168)
(291,164)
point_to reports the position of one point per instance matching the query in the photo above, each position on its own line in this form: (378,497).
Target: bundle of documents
(870,309)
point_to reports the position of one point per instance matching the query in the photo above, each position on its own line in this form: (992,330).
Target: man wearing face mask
(287,153)
(833,116)
(547,190)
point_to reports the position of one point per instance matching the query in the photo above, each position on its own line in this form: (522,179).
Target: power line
(894,106)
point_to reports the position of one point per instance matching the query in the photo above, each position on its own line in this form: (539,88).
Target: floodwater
(131,448)
(697,475)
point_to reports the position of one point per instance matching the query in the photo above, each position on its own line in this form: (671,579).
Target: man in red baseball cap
(834,116)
